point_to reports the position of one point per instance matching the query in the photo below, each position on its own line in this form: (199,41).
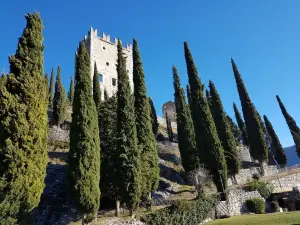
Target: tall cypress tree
(235,130)
(71,92)
(108,133)
(241,124)
(51,89)
(185,128)
(224,131)
(169,129)
(145,136)
(23,127)
(129,155)
(255,134)
(294,129)
(188,93)
(96,89)
(59,101)
(154,121)
(84,154)
(276,146)
(207,140)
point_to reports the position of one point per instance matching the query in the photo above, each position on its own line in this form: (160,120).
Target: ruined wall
(169,109)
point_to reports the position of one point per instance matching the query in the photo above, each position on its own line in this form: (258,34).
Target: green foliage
(237,133)
(255,134)
(265,189)
(59,101)
(169,129)
(71,92)
(59,144)
(108,133)
(188,93)
(96,89)
(146,139)
(276,146)
(224,131)
(23,127)
(185,128)
(127,149)
(183,212)
(51,89)
(154,121)
(207,140)
(294,129)
(84,154)
(256,205)
(241,125)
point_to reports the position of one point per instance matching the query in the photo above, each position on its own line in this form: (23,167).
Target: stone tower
(170,109)
(104,53)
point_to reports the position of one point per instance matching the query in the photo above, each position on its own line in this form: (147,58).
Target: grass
(286,218)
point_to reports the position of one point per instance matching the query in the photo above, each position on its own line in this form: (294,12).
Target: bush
(182,212)
(274,207)
(263,188)
(297,204)
(256,205)
(256,176)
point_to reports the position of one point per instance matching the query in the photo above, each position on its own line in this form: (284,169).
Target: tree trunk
(262,168)
(117,207)
(131,212)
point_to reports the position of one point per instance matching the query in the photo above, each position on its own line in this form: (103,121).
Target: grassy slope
(288,218)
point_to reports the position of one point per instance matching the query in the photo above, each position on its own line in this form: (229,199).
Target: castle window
(114,81)
(100,78)
(107,63)
(104,48)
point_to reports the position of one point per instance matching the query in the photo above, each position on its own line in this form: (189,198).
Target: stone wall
(169,109)
(286,183)
(237,199)
(244,153)
(56,133)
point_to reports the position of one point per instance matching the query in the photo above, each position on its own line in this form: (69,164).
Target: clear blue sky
(262,36)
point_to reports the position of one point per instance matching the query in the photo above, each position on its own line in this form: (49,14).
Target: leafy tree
(185,128)
(129,155)
(84,154)
(96,89)
(71,92)
(224,131)
(169,129)
(276,146)
(154,121)
(146,139)
(207,140)
(59,101)
(241,124)
(255,134)
(294,129)
(23,127)
(108,133)
(51,89)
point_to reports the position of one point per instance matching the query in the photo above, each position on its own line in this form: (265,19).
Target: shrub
(256,205)
(297,204)
(183,212)
(256,176)
(274,207)
(265,189)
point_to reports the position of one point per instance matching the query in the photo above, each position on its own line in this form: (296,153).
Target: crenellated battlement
(93,33)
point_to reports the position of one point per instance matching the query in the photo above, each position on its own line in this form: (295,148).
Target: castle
(103,52)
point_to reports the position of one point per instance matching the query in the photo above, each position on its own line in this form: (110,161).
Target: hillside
(292,155)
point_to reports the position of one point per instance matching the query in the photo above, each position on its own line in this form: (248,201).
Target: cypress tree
(276,146)
(59,101)
(169,129)
(145,136)
(241,125)
(188,93)
(96,89)
(235,130)
(129,155)
(207,140)
(185,128)
(84,154)
(51,89)
(108,132)
(255,134)
(71,92)
(294,129)
(154,121)
(47,79)
(224,131)
(23,127)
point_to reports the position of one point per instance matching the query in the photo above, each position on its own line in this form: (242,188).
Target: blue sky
(262,36)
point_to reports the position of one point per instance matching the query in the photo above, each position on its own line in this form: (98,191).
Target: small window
(100,78)
(107,63)
(104,48)
(114,81)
